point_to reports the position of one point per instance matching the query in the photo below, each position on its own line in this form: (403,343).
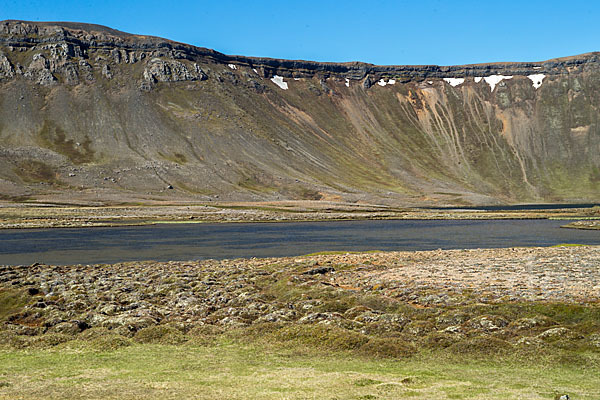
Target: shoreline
(21,216)
(583,224)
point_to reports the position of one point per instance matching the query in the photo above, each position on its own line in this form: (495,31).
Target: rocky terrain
(98,116)
(498,300)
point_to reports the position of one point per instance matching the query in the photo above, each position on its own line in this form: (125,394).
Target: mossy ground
(312,360)
(282,328)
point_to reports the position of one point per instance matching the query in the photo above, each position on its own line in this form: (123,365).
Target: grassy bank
(229,370)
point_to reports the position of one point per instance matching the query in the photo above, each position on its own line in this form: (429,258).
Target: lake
(164,242)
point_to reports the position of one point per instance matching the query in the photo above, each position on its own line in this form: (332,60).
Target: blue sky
(377,31)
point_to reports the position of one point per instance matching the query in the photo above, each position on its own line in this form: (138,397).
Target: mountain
(89,113)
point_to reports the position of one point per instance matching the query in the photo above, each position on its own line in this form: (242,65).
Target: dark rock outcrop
(79,40)
(158,70)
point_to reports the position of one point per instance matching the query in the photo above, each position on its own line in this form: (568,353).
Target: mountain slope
(87,112)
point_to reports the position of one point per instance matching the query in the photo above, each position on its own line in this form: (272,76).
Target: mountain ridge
(145,41)
(94,113)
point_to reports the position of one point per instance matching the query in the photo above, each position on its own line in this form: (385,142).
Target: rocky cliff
(90,113)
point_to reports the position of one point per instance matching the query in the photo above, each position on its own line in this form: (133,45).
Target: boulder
(556,334)
(487,323)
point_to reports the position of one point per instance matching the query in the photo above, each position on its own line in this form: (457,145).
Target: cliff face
(91,113)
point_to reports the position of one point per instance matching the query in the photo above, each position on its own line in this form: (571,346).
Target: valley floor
(493,323)
(40,215)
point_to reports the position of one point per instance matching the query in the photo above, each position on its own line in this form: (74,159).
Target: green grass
(234,371)
(12,301)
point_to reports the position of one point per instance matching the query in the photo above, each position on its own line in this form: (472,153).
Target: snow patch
(232,66)
(255,71)
(382,82)
(537,67)
(455,81)
(347,82)
(430,82)
(278,80)
(296,79)
(493,80)
(536,79)
(478,79)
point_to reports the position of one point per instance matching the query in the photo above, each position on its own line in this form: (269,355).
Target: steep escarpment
(90,113)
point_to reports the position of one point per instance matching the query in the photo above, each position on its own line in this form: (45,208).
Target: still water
(201,241)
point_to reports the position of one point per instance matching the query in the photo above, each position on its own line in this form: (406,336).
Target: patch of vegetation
(54,138)
(15,199)
(594,176)
(101,339)
(253,183)
(282,288)
(481,347)
(177,158)
(308,194)
(570,314)
(160,334)
(388,348)
(11,341)
(49,340)
(12,302)
(366,382)
(567,314)
(184,186)
(330,338)
(32,171)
